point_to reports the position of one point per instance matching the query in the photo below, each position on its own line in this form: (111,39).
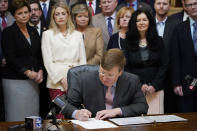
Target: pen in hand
(82,105)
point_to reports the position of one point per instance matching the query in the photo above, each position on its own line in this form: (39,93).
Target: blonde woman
(122,19)
(62,49)
(92,36)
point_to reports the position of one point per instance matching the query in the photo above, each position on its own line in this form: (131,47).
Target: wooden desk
(190,125)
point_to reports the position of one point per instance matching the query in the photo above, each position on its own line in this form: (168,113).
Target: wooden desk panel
(190,125)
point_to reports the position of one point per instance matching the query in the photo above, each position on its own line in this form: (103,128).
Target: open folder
(147,119)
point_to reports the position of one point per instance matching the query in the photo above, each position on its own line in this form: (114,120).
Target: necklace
(142,43)
(123,35)
(64,33)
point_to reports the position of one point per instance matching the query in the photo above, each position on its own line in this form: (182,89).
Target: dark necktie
(45,10)
(90,5)
(110,29)
(195,37)
(4,23)
(108,98)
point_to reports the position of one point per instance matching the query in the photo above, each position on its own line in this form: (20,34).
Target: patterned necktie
(44,10)
(195,37)
(90,5)
(110,29)
(4,23)
(108,98)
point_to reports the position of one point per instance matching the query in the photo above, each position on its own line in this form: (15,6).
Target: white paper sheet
(147,119)
(130,120)
(165,118)
(94,124)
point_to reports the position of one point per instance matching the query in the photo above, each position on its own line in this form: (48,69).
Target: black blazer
(86,88)
(183,56)
(153,70)
(114,42)
(19,54)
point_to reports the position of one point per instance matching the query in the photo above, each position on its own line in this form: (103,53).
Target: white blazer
(60,53)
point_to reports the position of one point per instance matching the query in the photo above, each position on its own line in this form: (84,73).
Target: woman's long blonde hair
(69,25)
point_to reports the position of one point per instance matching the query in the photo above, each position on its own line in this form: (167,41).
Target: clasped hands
(85,114)
(147,89)
(36,76)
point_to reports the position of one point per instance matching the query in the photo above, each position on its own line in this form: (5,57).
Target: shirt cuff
(74,113)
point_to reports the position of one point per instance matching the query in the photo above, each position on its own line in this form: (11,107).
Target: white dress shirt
(93,5)
(161,26)
(60,53)
(47,4)
(112,20)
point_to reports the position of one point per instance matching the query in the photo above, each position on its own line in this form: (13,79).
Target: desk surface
(190,125)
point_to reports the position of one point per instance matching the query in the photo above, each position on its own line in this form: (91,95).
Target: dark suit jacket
(114,42)
(151,71)
(171,23)
(86,88)
(48,20)
(140,5)
(19,54)
(183,57)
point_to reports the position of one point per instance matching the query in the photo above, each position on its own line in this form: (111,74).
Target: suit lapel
(104,26)
(188,37)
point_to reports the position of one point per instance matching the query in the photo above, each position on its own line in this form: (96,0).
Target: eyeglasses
(35,9)
(190,5)
(106,74)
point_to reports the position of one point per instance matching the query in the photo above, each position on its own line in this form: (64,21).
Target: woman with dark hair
(23,70)
(146,57)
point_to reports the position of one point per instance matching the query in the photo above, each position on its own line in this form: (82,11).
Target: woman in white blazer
(62,49)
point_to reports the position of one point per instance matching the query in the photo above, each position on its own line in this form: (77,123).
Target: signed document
(147,119)
(93,123)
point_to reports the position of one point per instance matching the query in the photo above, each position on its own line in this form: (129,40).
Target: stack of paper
(94,124)
(146,119)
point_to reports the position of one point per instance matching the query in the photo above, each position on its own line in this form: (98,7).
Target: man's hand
(108,113)
(178,90)
(83,115)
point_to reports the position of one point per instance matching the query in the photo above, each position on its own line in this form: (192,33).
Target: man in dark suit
(136,4)
(170,24)
(46,11)
(35,21)
(106,91)
(35,17)
(184,59)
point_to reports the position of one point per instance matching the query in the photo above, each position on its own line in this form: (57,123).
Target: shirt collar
(93,2)
(46,2)
(158,22)
(113,16)
(191,21)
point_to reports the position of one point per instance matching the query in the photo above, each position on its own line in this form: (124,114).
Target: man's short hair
(35,2)
(113,57)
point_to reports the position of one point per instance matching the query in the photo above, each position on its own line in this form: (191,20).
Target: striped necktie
(44,10)
(3,23)
(110,29)
(195,37)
